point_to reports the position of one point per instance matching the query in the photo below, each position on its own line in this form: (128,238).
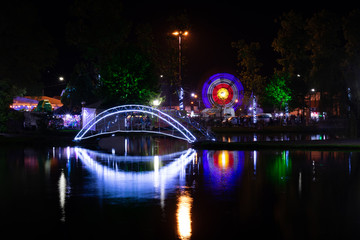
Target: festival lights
(187,135)
(222,89)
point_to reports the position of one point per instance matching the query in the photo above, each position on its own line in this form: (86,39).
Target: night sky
(214,26)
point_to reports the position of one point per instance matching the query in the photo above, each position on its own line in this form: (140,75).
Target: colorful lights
(223,94)
(222,168)
(224,90)
(281,169)
(224,160)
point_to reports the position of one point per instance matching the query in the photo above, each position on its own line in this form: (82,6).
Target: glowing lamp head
(177,33)
(156,102)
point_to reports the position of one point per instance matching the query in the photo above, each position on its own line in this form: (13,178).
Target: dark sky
(214,26)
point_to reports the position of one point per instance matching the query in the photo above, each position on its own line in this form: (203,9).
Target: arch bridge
(140,118)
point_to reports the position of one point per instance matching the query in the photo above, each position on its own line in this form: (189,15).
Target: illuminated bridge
(140,118)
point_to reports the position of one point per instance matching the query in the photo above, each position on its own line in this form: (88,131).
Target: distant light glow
(156,102)
(183,216)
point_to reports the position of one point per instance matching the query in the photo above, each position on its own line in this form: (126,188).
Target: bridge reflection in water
(137,176)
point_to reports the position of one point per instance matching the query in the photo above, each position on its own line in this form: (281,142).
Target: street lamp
(194,95)
(156,102)
(179,34)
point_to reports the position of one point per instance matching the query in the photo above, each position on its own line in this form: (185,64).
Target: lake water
(159,188)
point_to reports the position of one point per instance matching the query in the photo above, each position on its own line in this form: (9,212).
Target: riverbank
(40,138)
(273,129)
(65,138)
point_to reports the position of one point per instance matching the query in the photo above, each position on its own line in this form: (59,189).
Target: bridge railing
(193,124)
(134,118)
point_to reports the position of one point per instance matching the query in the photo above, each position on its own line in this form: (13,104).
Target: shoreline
(334,144)
(65,138)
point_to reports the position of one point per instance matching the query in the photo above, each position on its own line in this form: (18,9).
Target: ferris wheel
(222,89)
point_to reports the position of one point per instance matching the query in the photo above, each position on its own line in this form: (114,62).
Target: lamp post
(194,95)
(179,34)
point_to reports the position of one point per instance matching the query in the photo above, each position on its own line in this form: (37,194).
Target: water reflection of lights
(222,168)
(281,169)
(183,216)
(112,181)
(62,194)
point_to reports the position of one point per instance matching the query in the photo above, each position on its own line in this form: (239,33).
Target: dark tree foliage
(128,78)
(250,68)
(313,51)
(117,56)
(26,49)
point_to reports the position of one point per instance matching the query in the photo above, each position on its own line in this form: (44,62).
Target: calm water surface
(158,188)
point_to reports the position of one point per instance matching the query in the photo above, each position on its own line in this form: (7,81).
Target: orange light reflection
(183,216)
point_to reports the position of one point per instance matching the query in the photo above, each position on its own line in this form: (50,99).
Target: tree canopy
(277,90)
(116,64)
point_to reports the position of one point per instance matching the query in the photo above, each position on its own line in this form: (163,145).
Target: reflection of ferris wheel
(224,90)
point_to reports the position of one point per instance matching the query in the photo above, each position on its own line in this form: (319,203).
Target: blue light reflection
(116,176)
(222,169)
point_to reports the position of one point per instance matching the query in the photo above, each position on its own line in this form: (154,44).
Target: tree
(352,67)
(327,55)
(118,58)
(277,90)
(129,78)
(7,93)
(26,50)
(290,43)
(249,67)
(97,30)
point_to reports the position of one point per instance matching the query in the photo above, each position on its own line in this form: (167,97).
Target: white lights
(156,102)
(144,183)
(62,194)
(188,136)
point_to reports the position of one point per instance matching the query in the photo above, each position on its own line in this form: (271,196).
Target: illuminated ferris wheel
(224,90)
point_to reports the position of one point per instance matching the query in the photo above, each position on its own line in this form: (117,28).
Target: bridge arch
(120,119)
